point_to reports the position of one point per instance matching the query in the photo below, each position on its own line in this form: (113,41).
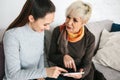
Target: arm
(87,58)
(13,64)
(54,55)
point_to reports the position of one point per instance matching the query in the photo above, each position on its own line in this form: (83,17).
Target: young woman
(24,43)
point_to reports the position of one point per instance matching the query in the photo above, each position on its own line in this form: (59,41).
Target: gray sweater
(24,58)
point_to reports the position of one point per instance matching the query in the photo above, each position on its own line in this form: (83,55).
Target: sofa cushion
(115,27)
(108,53)
(1,61)
(97,27)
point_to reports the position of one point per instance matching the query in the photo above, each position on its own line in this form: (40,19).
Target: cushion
(108,53)
(1,62)
(97,27)
(115,27)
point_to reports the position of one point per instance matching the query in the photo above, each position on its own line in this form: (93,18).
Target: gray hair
(79,9)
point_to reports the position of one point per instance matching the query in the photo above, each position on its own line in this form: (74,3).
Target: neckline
(31,30)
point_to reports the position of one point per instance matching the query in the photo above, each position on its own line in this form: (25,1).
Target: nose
(70,21)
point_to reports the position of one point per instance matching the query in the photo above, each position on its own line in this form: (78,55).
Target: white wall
(102,9)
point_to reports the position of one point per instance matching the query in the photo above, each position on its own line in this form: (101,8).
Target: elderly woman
(72,43)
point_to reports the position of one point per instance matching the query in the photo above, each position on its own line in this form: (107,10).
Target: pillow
(115,27)
(2,72)
(108,53)
(97,27)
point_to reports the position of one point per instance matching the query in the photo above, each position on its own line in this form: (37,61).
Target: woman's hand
(54,72)
(69,62)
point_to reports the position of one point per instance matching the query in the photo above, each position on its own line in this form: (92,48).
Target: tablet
(72,73)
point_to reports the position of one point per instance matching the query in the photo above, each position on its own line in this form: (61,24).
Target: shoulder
(14,32)
(10,32)
(89,35)
(56,31)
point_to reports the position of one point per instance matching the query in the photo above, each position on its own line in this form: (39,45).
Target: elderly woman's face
(73,24)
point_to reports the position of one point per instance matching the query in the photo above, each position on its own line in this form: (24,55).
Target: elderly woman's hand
(69,62)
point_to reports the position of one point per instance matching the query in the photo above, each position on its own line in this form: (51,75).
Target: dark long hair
(36,8)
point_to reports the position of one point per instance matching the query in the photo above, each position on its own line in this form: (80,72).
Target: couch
(96,28)
(1,62)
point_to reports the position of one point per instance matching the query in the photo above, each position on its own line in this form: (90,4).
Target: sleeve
(87,58)
(13,64)
(54,54)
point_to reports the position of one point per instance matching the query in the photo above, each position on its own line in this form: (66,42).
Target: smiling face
(41,24)
(73,25)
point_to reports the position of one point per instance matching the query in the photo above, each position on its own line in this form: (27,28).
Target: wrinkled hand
(54,72)
(69,62)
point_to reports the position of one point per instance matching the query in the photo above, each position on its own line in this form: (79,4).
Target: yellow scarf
(71,37)
(74,37)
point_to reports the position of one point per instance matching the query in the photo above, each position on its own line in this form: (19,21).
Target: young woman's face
(73,24)
(42,24)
